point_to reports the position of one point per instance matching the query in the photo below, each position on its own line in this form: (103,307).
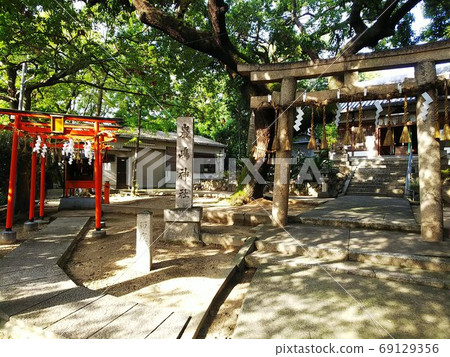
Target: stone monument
(183,223)
(144,242)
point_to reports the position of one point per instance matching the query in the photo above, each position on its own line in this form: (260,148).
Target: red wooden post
(107,188)
(32,186)
(12,175)
(98,183)
(42,190)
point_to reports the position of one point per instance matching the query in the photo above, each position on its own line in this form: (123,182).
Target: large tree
(258,31)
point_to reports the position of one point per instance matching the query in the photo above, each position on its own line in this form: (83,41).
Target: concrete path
(285,302)
(364,212)
(35,293)
(337,277)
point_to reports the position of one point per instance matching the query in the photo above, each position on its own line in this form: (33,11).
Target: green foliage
(321,160)
(331,132)
(445,174)
(72,51)
(438,11)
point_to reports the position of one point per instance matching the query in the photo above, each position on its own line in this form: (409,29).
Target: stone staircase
(384,176)
(355,252)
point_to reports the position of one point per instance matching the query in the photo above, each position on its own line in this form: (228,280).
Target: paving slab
(396,242)
(171,328)
(136,323)
(297,239)
(91,318)
(285,302)
(365,212)
(19,297)
(8,264)
(48,251)
(24,275)
(58,307)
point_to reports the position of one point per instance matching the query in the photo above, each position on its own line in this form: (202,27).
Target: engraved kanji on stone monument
(184,153)
(184,167)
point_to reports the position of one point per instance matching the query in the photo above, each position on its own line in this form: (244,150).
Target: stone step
(372,191)
(378,184)
(436,264)
(375,188)
(436,279)
(360,223)
(380,167)
(376,194)
(226,240)
(388,174)
(294,248)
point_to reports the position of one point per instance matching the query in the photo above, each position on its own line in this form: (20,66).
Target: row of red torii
(65,132)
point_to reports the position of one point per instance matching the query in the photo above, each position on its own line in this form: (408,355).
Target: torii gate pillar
(283,155)
(429,151)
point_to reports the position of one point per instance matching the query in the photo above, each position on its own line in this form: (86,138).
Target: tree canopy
(180,57)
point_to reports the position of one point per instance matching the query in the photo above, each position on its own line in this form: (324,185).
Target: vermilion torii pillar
(42,193)
(8,236)
(31,225)
(98,184)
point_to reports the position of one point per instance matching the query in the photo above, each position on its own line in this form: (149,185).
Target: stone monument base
(183,225)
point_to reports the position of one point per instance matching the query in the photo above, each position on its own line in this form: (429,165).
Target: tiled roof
(167,137)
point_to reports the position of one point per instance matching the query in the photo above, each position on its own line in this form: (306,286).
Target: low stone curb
(235,218)
(224,240)
(238,264)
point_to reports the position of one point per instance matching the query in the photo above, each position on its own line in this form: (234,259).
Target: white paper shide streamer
(68,150)
(378,112)
(298,119)
(88,154)
(340,106)
(37,145)
(426,105)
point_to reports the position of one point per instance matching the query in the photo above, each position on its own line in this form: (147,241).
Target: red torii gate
(57,128)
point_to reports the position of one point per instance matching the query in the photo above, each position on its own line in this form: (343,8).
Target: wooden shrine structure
(70,133)
(343,86)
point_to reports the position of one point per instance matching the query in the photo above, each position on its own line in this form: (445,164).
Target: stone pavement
(364,212)
(338,277)
(37,295)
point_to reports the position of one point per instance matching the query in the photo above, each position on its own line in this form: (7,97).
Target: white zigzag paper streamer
(44,150)
(299,118)
(426,105)
(378,112)
(37,145)
(340,106)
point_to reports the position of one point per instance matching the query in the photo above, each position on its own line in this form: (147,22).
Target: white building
(156,161)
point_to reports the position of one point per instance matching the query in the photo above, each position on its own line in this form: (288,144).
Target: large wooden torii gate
(343,86)
(54,129)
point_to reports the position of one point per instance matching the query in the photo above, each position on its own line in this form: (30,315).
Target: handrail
(408,171)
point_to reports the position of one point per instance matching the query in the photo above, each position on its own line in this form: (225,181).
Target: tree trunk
(98,112)
(136,150)
(27,98)
(12,90)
